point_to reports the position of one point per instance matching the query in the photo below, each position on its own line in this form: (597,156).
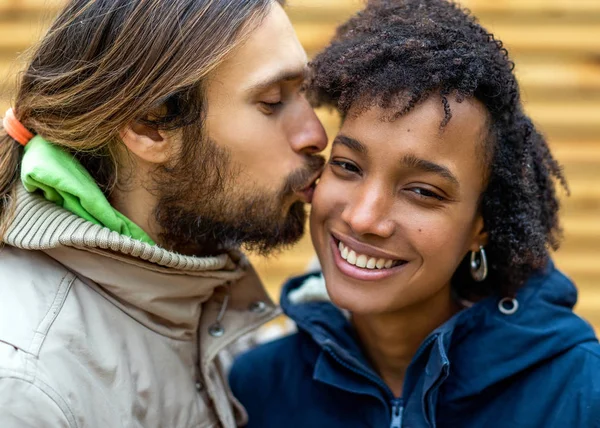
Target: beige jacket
(100,331)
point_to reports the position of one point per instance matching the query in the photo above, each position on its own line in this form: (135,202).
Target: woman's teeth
(363,261)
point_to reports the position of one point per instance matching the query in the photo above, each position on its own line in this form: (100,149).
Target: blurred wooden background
(556,46)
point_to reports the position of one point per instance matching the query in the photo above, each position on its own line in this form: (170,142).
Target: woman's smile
(366,264)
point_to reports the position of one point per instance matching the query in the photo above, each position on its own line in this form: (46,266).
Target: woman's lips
(362,248)
(356,272)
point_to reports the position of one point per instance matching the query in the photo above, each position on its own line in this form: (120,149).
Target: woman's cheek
(438,239)
(326,194)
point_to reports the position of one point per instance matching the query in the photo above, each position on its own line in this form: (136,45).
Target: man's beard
(201,211)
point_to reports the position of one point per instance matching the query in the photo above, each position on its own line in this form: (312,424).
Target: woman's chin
(355,299)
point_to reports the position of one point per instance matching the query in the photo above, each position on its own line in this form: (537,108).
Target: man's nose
(307,134)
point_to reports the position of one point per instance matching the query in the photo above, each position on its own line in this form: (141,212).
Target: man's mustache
(302,178)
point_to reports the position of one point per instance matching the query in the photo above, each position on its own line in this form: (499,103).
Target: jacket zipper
(397,406)
(397,411)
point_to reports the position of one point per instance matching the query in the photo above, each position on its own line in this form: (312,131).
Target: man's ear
(480,236)
(147,142)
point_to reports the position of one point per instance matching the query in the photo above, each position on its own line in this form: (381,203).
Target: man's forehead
(271,54)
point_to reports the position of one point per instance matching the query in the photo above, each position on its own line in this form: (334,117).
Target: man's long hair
(105,63)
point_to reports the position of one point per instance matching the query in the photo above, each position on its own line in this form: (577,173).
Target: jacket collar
(39,224)
(477,348)
(164,291)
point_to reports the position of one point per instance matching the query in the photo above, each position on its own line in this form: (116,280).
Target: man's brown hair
(106,63)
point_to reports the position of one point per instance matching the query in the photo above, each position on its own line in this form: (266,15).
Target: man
(159,137)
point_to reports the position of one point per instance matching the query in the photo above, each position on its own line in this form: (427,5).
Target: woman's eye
(425,193)
(346,166)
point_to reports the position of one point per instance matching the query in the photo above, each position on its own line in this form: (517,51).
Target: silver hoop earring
(479,266)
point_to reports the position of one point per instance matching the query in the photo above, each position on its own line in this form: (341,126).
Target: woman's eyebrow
(351,143)
(415,162)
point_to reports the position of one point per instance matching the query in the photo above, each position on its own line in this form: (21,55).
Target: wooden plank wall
(556,45)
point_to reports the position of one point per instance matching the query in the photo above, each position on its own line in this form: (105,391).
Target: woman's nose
(368,213)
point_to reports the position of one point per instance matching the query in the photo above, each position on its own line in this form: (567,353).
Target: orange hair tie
(15,129)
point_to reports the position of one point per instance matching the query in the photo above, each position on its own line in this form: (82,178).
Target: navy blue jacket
(539,367)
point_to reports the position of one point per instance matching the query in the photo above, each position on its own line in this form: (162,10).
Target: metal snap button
(216,330)
(508,305)
(257,307)
(199,386)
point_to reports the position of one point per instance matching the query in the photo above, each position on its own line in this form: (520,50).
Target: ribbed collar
(161,289)
(40,224)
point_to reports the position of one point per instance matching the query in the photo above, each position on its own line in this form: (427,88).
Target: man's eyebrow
(281,76)
(413,161)
(351,143)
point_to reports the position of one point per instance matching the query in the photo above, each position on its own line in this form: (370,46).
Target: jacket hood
(480,345)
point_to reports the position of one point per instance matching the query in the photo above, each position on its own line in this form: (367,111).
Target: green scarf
(64,181)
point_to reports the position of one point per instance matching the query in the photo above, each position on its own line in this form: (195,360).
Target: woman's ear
(147,142)
(480,235)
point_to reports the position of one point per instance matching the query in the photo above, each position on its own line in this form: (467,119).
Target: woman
(432,222)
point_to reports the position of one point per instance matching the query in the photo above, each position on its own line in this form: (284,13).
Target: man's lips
(306,193)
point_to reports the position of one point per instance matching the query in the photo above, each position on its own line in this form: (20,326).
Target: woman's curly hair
(397,53)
